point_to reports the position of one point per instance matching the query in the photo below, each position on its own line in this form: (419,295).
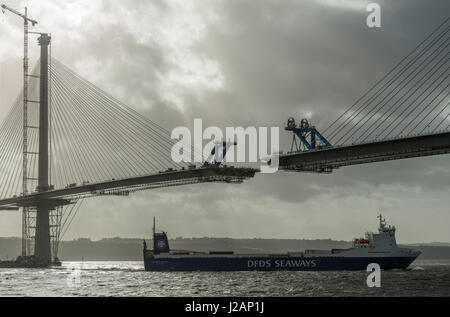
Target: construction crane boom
(23,16)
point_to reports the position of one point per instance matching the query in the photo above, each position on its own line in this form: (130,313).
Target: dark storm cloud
(277,67)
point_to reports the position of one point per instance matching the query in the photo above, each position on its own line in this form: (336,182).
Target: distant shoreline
(120,249)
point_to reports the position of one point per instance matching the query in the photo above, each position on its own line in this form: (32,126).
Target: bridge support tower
(42,246)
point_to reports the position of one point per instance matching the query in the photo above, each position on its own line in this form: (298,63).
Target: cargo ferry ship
(380,248)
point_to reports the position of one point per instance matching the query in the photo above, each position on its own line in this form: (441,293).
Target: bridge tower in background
(42,247)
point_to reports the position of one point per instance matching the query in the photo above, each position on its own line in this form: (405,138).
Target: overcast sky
(243,63)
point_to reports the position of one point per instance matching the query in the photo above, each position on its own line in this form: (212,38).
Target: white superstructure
(381,244)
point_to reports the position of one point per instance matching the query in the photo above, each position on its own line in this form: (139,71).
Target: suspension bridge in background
(65,140)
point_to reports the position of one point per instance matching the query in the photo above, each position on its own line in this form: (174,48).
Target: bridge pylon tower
(42,244)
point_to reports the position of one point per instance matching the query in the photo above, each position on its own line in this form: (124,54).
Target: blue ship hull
(273,263)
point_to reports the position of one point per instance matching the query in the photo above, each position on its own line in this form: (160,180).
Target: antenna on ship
(382,221)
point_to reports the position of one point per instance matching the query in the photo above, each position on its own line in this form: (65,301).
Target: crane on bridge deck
(218,153)
(309,137)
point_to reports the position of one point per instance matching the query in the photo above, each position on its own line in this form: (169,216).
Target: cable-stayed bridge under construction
(66,139)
